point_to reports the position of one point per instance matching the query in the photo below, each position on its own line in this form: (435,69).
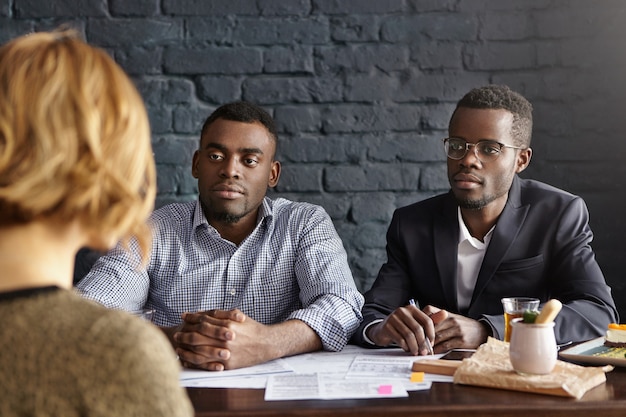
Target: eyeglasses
(485,150)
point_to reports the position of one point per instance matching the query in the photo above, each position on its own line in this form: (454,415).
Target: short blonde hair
(74,138)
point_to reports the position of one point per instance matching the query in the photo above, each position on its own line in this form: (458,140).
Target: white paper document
(379,367)
(250,377)
(328,387)
(324,361)
(353,371)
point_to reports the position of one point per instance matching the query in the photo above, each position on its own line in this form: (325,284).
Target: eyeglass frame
(468,145)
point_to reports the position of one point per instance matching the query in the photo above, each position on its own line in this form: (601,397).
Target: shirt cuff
(367,339)
(492,331)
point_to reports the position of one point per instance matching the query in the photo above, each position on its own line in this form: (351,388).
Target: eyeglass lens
(484,150)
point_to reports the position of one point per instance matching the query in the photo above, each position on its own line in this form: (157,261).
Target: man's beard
(501,188)
(480,203)
(227,217)
(473,204)
(221,216)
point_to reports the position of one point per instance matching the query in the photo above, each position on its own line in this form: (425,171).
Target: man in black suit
(493,235)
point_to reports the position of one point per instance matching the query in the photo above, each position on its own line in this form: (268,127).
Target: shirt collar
(466,235)
(266,210)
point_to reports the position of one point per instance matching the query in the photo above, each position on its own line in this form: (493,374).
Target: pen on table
(428,345)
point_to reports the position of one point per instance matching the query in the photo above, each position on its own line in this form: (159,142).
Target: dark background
(363,91)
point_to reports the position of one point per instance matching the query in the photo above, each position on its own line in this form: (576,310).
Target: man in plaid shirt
(236,278)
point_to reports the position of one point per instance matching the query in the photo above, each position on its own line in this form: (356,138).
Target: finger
(405,332)
(425,345)
(429,310)
(195,318)
(423,327)
(450,333)
(401,341)
(234,314)
(208,366)
(205,334)
(439,316)
(417,343)
(447,343)
(207,326)
(431,326)
(213,316)
(207,355)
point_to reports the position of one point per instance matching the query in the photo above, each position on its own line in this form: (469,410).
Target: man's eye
(251,161)
(455,146)
(215,157)
(490,148)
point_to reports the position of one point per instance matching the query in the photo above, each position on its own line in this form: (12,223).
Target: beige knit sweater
(61,355)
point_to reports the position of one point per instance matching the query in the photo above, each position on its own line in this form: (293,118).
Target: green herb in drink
(530,316)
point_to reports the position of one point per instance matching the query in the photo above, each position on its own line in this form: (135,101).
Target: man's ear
(523,159)
(194,164)
(274,174)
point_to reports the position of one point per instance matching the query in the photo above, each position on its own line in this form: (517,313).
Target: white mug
(532,349)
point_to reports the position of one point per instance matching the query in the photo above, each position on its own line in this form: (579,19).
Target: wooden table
(443,399)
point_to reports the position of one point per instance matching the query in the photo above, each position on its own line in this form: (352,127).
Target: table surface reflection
(443,399)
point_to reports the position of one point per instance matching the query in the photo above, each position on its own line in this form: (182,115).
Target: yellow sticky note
(417,376)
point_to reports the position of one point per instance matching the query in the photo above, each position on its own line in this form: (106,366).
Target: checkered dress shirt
(292,266)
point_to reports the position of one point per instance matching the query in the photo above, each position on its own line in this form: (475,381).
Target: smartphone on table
(458,354)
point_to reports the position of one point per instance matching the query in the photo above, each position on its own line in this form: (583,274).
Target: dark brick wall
(363,90)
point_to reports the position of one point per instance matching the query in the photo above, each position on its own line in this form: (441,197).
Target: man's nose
(471,155)
(230,168)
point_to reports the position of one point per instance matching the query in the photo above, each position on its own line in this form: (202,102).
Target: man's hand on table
(407,327)
(216,340)
(456,331)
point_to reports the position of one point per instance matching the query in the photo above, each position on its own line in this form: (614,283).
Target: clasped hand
(216,340)
(408,327)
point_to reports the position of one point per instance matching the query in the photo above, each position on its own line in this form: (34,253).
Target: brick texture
(363,90)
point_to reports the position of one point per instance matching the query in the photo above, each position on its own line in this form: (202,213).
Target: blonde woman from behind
(76,169)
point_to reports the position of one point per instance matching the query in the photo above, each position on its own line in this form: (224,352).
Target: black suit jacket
(540,248)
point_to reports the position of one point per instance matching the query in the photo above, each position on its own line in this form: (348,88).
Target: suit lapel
(446,241)
(504,235)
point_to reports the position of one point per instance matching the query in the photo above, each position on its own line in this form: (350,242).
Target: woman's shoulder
(136,356)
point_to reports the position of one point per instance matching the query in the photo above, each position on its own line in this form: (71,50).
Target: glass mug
(514,308)
(533,348)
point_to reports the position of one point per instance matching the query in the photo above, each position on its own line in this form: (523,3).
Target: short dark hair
(502,97)
(242,111)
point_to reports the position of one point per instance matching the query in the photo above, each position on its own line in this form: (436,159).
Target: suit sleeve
(575,279)
(578,280)
(392,287)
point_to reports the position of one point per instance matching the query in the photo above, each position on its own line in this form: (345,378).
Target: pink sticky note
(385,389)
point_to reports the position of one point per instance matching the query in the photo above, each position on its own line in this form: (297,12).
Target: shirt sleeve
(117,280)
(331,302)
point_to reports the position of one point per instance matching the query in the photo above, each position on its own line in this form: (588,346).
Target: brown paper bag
(490,367)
